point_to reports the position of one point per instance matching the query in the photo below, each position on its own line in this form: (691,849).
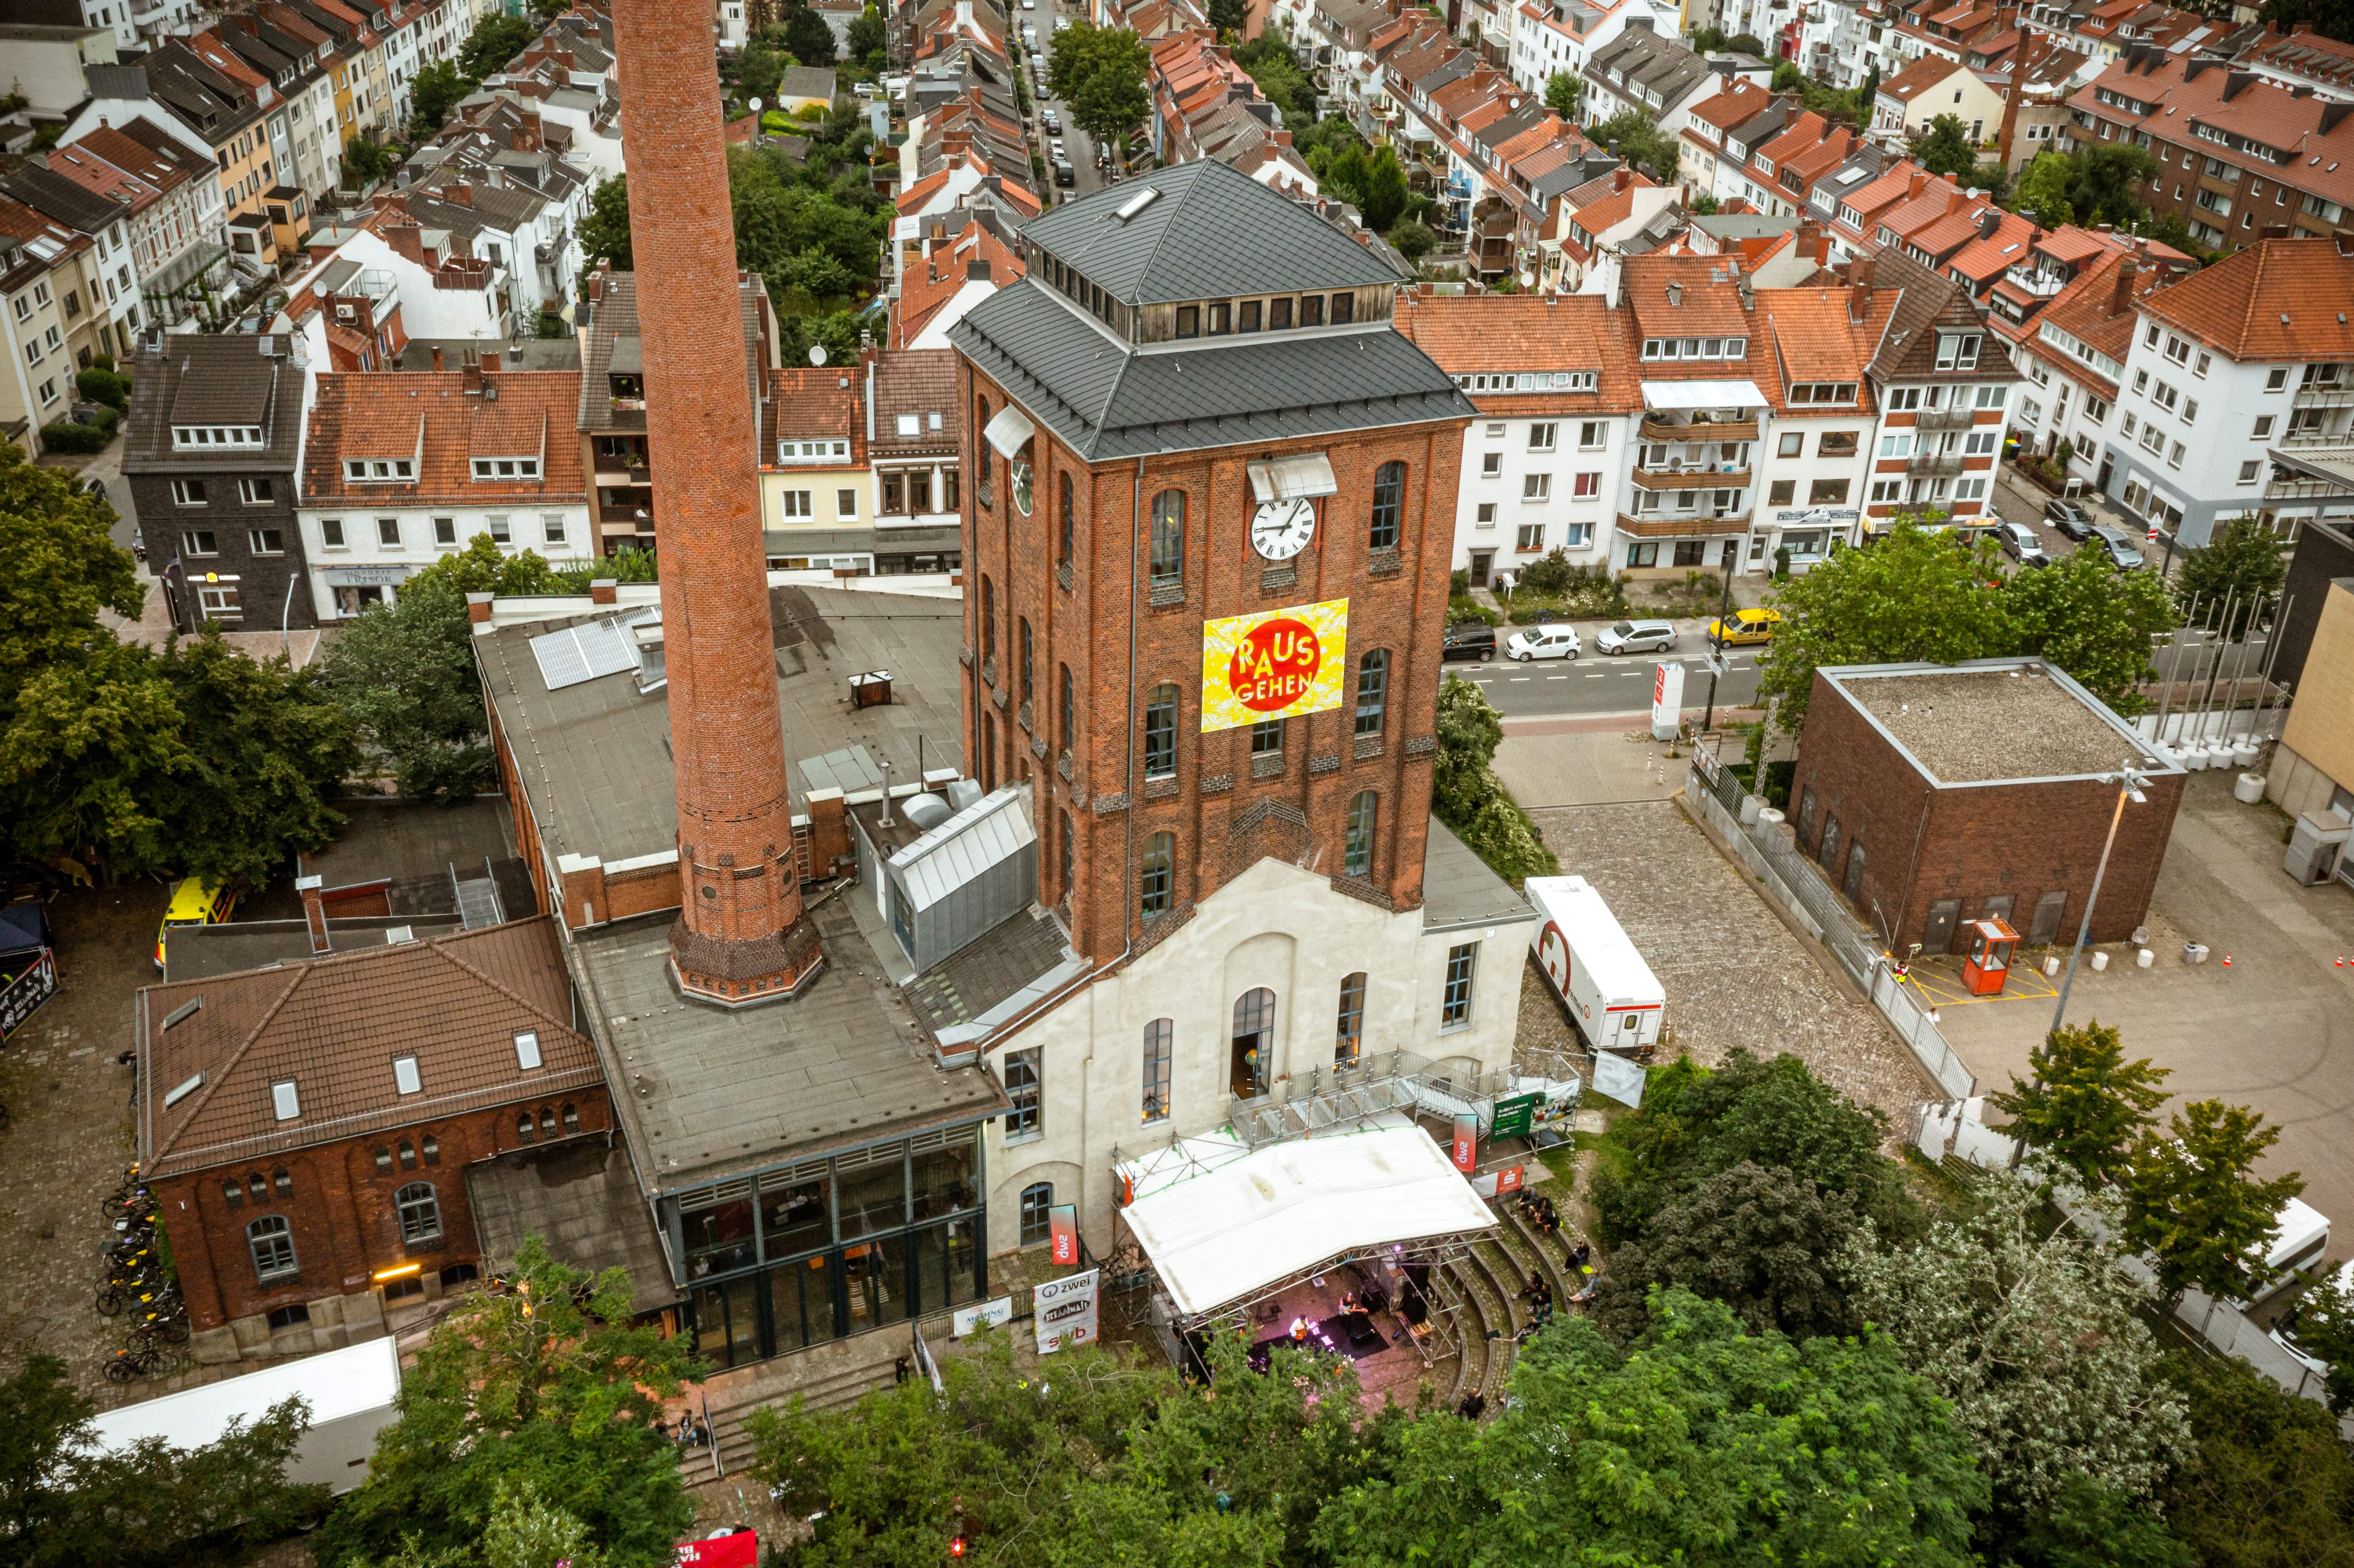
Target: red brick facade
(1968,844)
(343,1207)
(1079,616)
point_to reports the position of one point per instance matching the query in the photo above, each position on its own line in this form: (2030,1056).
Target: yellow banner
(1274,664)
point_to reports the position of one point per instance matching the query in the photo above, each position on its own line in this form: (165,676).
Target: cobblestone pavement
(70,1136)
(1734,973)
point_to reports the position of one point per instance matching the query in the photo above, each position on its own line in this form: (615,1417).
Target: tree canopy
(2195,1204)
(495,40)
(1562,90)
(2092,185)
(2082,1102)
(1469,797)
(2268,1483)
(1766,1241)
(1268,59)
(2239,563)
(436,90)
(1639,141)
(605,229)
(809,36)
(2097,623)
(1099,72)
(1944,147)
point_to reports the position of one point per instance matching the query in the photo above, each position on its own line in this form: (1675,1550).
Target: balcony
(2035,280)
(1935,465)
(2326,394)
(2303,487)
(1943,419)
(613,471)
(1656,525)
(1714,476)
(1658,429)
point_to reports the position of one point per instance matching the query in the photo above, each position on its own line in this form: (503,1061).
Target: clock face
(1281,529)
(1022,487)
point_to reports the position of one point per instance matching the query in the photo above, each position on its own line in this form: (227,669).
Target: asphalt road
(1596,683)
(1077,145)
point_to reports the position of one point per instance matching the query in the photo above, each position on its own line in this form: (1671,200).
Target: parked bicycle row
(138,1283)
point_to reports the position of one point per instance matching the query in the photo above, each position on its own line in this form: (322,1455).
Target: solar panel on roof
(580,653)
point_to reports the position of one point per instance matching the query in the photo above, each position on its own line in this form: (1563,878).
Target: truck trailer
(1611,993)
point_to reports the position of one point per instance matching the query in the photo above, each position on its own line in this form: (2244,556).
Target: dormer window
(380,471)
(1958,351)
(1189,320)
(205,437)
(828,451)
(507,467)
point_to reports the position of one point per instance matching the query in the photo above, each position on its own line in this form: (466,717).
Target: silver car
(2124,550)
(1635,637)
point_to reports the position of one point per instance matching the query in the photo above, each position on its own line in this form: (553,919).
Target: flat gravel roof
(1979,723)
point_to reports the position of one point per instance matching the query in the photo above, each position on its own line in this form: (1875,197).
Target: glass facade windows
(873,1194)
(718,1231)
(796,1211)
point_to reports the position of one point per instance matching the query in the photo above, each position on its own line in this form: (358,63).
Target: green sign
(1516,1115)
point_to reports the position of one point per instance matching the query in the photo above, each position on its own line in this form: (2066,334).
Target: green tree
(1562,90)
(869,35)
(605,230)
(63,570)
(1469,797)
(2082,1102)
(759,70)
(1230,16)
(2322,1325)
(1412,240)
(365,162)
(2091,620)
(2194,1204)
(2088,1525)
(1639,141)
(1701,1443)
(1112,103)
(1909,595)
(1972,1308)
(809,37)
(1281,83)
(1766,1242)
(546,1384)
(2269,1484)
(63,1502)
(1944,147)
(267,751)
(405,673)
(88,755)
(1702,205)
(2239,563)
(2106,174)
(436,89)
(492,44)
(2043,193)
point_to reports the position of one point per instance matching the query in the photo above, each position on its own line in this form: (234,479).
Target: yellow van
(193,903)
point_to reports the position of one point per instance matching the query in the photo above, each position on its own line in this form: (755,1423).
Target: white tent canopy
(1702,395)
(1219,1220)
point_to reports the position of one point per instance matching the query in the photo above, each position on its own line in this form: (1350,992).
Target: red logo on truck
(1553,957)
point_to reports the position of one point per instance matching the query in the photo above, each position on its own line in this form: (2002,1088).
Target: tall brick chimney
(740,938)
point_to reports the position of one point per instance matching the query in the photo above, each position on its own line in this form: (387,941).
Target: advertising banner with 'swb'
(1274,664)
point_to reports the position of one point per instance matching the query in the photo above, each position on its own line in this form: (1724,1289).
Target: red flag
(1466,1143)
(741,1550)
(1063,1219)
(1509,1179)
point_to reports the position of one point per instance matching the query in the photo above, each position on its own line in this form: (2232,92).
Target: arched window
(1373,690)
(1070,708)
(233,1191)
(1349,1030)
(1160,733)
(1160,1041)
(272,1241)
(1357,856)
(570,1114)
(1168,538)
(988,619)
(1029,656)
(255,1187)
(547,1121)
(283,1179)
(420,1214)
(407,1156)
(1254,1037)
(383,1158)
(1389,505)
(980,445)
(1037,1213)
(1070,854)
(522,1126)
(1159,873)
(1070,519)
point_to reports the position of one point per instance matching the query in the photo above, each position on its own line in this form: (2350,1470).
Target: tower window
(1389,502)
(1168,538)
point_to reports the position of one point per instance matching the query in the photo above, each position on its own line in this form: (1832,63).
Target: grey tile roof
(69,202)
(219,380)
(976,977)
(1212,233)
(1460,891)
(1107,401)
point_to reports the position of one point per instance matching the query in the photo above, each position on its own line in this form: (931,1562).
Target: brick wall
(261,579)
(1974,842)
(1222,818)
(342,1208)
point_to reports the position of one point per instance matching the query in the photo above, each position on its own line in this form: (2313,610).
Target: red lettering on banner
(741,1550)
(1274,664)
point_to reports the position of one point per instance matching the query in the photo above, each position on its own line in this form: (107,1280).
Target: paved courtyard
(1734,973)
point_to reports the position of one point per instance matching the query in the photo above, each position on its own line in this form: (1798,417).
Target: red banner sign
(741,1550)
(1508,1179)
(1063,1219)
(1466,1143)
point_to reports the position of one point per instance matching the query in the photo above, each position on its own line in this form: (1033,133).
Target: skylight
(1137,204)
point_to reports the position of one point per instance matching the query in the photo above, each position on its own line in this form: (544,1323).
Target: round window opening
(712,893)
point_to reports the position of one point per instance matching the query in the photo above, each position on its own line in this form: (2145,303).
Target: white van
(1616,1001)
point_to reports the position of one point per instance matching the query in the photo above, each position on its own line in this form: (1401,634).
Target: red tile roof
(2279,299)
(378,415)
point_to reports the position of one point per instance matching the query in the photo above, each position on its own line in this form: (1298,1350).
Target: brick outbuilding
(1933,794)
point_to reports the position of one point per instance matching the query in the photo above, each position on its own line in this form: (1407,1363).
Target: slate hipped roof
(251,380)
(1210,233)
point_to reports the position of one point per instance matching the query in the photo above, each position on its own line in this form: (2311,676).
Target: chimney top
(471,376)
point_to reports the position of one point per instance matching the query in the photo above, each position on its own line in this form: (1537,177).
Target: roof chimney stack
(2127,269)
(740,938)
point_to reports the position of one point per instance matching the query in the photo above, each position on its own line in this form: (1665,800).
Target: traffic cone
(2342,961)
(2227,960)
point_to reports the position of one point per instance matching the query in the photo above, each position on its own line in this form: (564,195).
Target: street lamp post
(2129,788)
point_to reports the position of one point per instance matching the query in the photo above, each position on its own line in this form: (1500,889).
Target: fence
(1793,882)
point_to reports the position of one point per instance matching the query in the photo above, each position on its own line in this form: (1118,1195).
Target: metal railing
(1935,465)
(1793,881)
(1943,419)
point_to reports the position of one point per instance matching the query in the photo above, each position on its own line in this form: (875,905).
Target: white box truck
(1610,990)
(351,1395)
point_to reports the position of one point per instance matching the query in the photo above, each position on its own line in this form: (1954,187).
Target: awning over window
(1289,478)
(1702,395)
(1009,431)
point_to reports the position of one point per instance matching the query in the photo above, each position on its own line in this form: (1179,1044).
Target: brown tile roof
(1470,334)
(807,401)
(1813,339)
(921,383)
(376,415)
(333,1026)
(2279,299)
(1705,302)
(1919,77)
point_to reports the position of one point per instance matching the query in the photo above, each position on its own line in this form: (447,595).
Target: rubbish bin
(2194,952)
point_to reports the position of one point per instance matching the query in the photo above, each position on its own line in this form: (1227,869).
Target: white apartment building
(1549,37)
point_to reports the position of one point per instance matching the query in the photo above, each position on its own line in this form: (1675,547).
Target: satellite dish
(1528,279)
(817,353)
(754,104)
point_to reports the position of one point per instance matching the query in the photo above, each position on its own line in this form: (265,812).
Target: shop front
(832,1247)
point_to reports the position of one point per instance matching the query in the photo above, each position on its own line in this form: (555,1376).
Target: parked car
(1558,640)
(1054,123)
(1469,640)
(2123,549)
(94,488)
(1063,174)
(2068,517)
(2022,544)
(1744,626)
(1635,637)
(1054,150)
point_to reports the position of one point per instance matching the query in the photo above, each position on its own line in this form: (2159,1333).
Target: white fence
(1793,882)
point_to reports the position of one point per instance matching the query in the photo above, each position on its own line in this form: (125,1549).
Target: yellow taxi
(1744,626)
(193,903)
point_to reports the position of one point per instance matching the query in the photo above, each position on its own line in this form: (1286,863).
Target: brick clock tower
(1204,596)
(739,937)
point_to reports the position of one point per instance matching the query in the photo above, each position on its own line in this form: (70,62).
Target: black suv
(1469,640)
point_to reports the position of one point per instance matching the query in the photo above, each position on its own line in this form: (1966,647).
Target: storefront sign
(23,996)
(366,577)
(1065,1311)
(1062,1221)
(1667,702)
(741,1550)
(1515,1115)
(1274,664)
(1819,516)
(969,1320)
(1619,1078)
(1466,1143)
(1509,1179)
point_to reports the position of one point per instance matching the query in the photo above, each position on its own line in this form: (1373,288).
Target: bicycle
(135,1364)
(159,1330)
